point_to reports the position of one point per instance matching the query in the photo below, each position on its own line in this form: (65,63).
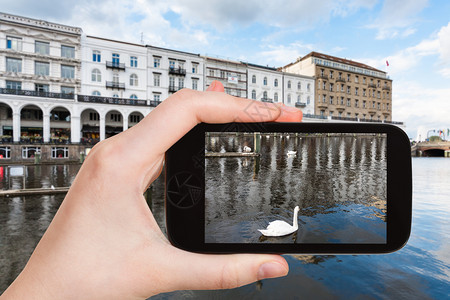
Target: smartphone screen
(338,181)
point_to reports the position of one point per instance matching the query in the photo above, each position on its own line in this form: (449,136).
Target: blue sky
(413,35)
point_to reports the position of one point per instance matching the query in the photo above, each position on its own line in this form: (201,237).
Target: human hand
(104,241)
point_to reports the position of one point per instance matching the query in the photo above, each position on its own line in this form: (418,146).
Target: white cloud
(281,55)
(397,18)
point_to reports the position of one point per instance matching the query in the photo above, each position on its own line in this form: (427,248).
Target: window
(115,96)
(356,91)
(324,98)
(116,117)
(331,87)
(356,79)
(67,71)
(30,152)
(348,90)
(171,64)
(331,74)
(133,61)
(133,96)
(96,56)
(14,85)
(180,83)
(195,84)
(115,58)
(115,77)
(324,85)
(308,87)
(308,101)
(364,92)
(253,94)
(13,65)
(41,87)
(289,84)
(96,75)
(94,116)
(41,68)
(348,77)
(364,104)
(135,118)
(157,97)
(275,96)
(68,52)
(356,103)
(331,99)
(349,102)
(171,81)
(181,65)
(156,79)
(67,90)
(211,73)
(299,85)
(134,80)
(222,74)
(275,83)
(14,43)
(156,62)
(96,93)
(194,68)
(289,98)
(5,152)
(60,152)
(299,98)
(42,48)
(265,95)
(265,81)
(254,79)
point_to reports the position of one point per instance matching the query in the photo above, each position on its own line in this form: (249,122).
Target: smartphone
(312,188)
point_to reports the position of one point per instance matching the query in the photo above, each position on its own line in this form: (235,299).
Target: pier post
(257,142)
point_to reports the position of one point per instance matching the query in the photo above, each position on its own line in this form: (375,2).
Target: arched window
(265,81)
(308,101)
(275,82)
(308,87)
(133,96)
(289,84)
(96,93)
(96,75)
(265,95)
(299,85)
(115,96)
(275,97)
(254,95)
(133,80)
(289,98)
(254,79)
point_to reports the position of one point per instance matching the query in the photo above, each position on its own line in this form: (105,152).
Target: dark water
(421,270)
(338,182)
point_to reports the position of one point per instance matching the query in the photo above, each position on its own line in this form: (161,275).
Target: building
(232,74)
(113,88)
(171,70)
(40,65)
(264,83)
(298,91)
(345,89)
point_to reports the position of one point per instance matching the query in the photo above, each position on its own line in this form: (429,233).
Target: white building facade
(170,71)
(264,83)
(232,74)
(298,91)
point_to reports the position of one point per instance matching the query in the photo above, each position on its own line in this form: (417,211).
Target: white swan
(247,149)
(290,152)
(281,228)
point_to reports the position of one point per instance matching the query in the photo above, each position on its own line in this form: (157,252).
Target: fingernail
(212,85)
(271,270)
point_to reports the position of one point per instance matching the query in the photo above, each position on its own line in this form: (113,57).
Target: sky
(412,35)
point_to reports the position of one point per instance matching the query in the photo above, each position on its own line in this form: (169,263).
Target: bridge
(441,148)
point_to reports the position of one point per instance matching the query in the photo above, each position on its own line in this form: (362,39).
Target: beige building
(345,89)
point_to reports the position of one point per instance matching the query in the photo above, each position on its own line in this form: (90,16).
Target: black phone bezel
(185,225)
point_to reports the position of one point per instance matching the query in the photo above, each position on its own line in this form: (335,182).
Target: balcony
(372,85)
(323,76)
(266,100)
(154,103)
(115,85)
(344,118)
(340,80)
(387,88)
(174,89)
(112,100)
(177,71)
(115,65)
(36,94)
(300,104)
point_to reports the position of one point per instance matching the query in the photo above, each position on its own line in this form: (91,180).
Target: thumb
(205,271)
(216,86)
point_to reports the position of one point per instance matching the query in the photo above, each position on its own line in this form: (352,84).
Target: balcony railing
(314,116)
(340,80)
(323,76)
(177,71)
(112,100)
(115,65)
(387,88)
(266,100)
(173,88)
(154,103)
(372,85)
(115,85)
(344,118)
(36,93)
(300,104)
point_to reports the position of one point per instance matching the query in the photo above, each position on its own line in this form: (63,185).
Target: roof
(337,59)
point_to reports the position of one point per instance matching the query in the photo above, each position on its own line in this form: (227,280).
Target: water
(339,183)
(421,270)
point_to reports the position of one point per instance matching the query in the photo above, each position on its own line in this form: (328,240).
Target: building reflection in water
(338,181)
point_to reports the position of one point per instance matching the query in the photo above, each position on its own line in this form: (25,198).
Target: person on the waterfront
(104,241)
